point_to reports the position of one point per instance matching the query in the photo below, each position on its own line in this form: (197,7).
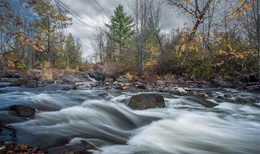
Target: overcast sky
(94,16)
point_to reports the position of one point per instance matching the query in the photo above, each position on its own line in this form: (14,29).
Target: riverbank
(40,78)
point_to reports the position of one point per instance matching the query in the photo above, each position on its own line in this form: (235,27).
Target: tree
(73,53)
(51,20)
(194,9)
(120,29)
(32,32)
(148,17)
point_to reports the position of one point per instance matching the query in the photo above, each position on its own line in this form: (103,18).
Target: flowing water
(101,117)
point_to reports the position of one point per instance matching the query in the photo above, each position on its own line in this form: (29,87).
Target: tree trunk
(194,29)
(258,36)
(49,42)
(162,66)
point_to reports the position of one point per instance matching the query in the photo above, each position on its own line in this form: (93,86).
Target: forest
(220,38)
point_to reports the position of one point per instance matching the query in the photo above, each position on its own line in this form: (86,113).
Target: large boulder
(146,101)
(24,111)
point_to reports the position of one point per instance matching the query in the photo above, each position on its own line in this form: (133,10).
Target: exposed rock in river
(24,111)
(146,101)
(97,76)
(202,101)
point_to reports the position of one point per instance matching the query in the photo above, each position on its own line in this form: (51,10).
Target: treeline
(33,36)
(221,37)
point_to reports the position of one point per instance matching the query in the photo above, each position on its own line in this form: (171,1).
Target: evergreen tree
(73,54)
(120,29)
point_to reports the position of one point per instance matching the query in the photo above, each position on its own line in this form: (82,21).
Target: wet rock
(30,84)
(71,87)
(88,145)
(24,111)
(202,101)
(97,76)
(146,101)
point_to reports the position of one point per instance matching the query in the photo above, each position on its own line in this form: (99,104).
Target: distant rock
(121,87)
(159,83)
(71,78)
(13,74)
(181,91)
(219,81)
(146,101)
(24,111)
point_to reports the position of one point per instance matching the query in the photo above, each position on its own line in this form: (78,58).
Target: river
(101,117)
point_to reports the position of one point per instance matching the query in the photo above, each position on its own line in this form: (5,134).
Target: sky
(95,16)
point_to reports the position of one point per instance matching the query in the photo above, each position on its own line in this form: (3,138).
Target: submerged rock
(24,111)
(146,101)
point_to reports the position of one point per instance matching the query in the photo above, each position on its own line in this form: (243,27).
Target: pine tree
(120,29)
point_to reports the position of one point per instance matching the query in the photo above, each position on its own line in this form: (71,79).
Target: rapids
(101,117)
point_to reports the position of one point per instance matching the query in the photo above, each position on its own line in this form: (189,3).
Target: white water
(102,118)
